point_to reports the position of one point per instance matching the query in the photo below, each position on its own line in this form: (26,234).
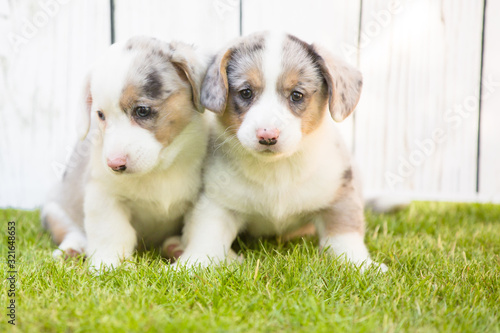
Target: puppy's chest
(159,198)
(284,200)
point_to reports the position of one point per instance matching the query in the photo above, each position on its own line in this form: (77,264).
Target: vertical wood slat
(489,157)
(332,24)
(421,71)
(207,24)
(40,86)
(416,128)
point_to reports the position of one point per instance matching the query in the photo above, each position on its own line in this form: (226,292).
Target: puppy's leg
(111,237)
(341,230)
(208,234)
(66,233)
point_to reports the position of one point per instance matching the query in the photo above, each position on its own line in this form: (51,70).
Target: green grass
(443,276)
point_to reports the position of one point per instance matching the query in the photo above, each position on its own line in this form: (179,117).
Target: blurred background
(427,125)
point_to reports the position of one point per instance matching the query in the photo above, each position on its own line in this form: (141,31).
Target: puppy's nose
(268,136)
(117,163)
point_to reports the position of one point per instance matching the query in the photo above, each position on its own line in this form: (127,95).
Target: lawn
(444,276)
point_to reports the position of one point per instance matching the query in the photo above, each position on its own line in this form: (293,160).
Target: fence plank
(209,24)
(420,60)
(45,49)
(333,24)
(489,179)
(417,128)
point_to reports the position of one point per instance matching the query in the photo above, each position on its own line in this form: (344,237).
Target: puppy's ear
(187,62)
(344,84)
(215,88)
(85,108)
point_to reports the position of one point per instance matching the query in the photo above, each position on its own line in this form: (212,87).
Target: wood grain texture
(332,24)
(44,54)
(208,24)
(416,127)
(415,131)
(489,176)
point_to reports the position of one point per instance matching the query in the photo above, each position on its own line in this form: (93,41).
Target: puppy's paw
(234,257)
(191,260)
(101,263)
(172,248)
(369,264)
(65,254)
(351,248)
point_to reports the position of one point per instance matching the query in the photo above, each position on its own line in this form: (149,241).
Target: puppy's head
(272,90)
(142,93)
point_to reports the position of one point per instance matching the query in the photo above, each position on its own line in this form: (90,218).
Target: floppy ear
(85,107)
(344,84)
(215,88)
(186,61)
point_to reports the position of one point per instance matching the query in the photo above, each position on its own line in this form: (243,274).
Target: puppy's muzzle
(268,136)
(118,164)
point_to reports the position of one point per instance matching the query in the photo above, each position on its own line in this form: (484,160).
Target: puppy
(277,159)
(139,169)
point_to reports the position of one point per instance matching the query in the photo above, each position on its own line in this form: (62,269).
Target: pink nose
(268,136)
(117,163)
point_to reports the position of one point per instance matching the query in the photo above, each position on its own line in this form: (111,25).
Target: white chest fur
(157,200)
(276,196)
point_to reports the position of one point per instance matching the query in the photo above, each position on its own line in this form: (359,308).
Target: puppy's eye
(101,115)
(246,93)
(142,111)
(296,96)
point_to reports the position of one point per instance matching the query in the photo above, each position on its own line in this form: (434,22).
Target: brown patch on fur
(168,118)
(233,116)
(173,116)
(346,213)
(129,97)
(184,72)
(57,229)
(313,106)
(301,73)
(313,116)
(347,176)
(243,72)
(215,87)
(241,56)
(306,230)
(344,84)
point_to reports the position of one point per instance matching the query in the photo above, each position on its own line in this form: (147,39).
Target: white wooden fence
(421,127)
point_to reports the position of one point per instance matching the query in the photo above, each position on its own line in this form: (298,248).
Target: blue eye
(142,111)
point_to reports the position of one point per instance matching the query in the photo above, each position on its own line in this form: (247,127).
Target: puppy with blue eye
(146,145)
(277,161)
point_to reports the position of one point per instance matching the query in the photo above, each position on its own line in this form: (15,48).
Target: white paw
(99,263)
(190,261)
(172,248)
(369,264)
(73,245)
(64,254)
(350,247)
